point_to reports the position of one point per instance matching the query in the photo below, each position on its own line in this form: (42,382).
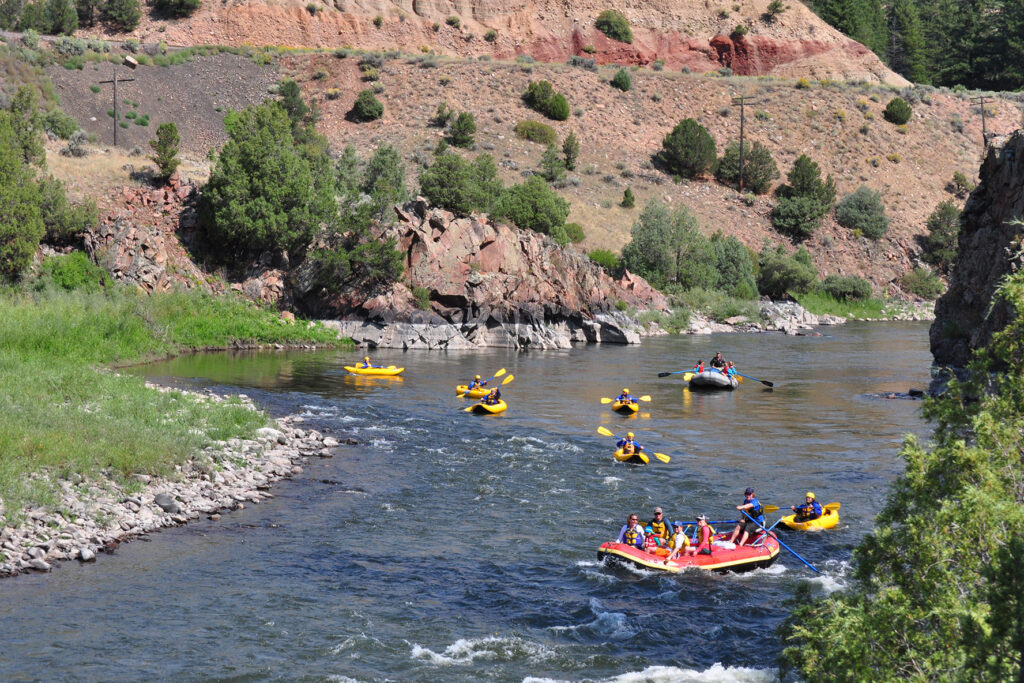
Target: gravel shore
(96,515)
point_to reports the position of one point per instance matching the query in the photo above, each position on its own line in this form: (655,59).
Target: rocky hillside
(991,243)
(682,33)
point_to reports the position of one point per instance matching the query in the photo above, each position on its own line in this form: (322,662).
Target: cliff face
(990,244)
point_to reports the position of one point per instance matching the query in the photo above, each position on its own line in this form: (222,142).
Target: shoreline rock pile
(97,515)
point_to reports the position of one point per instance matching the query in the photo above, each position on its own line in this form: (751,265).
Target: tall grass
(62,413)
(819,303)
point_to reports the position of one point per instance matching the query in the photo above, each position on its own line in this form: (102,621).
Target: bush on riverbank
(61,414)
(819,302)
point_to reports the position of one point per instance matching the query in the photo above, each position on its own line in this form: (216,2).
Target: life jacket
(366,365)
(631,535)
(757,511)
(705,537)
(475,383)
(629,447)
(699,367)
(492,399)
(650,543)
(672,541)
(660,528)
(624,398)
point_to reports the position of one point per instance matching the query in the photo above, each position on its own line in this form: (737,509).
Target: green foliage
(805,201)
(177,8)
(759,169)
(74,271)
(906,48)
(63,222)
(533,205)
(25,126)
(718,305)
(265,193)
(574,233)
(534,131)
(628,200)
(378,20)
(863,210)
(453,21)
(366,107)
(897,111)
(551,165)
(21,222)
(960,185)
(818,302)
(689,150)
(491,35)
(940,244)
(937,580)
(622,81)
(614,24)
(781,275)
(607,260)
(735,269)
(571,150)
(422,297)
(922,282)
(384,180)
(442,115)
(542,98)
(774,9)
(462,130)
(461,187)
(846,288)
(59,124)
(125,14)
(165,148)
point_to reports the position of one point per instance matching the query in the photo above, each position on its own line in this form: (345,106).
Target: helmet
(649,529)
(366,358)
(629,435)
(625,390)
(478,377)
(810,494)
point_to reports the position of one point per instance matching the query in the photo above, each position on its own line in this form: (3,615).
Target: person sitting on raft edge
(631,533)
(476,383)
(678,543)
(718,362)
(705,535)
(625,396)
(751,506)
(809,510)
(628,445)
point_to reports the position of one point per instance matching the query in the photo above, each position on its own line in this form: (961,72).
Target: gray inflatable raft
(712,379)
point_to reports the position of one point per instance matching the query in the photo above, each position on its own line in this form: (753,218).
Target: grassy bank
(820,303)
(62,412)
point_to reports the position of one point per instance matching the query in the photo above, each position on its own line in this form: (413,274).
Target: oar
(606,432)
(645,398)
(778,539)
(834,507)
(687,376)
(762,381)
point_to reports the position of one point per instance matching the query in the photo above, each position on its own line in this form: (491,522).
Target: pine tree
(571,150)
(165,147)
(906,54)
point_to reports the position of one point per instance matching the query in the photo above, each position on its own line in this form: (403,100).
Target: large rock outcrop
(990,246)
(491,285)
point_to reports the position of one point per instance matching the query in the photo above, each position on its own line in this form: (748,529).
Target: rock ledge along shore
(96,515)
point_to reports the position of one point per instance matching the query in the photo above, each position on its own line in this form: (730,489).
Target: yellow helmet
(478,376)
(629,435)
(810,494)
(625,390)
(366,358)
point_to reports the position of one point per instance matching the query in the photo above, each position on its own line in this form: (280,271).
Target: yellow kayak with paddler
(389,371)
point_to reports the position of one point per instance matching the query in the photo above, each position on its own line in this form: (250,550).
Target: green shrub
(462,130)
(718,305)
(57,123)
(571,150)
(614,25)
(542,98)
(533,205)
(628,200)
(607,260)
(558,108)
(689,150)
(804,201)
(462,187)
(442,116)
(922,282)
(622,81)
(759,169)
(960,185)
(940,244)
(453,21)
(898,111)
(774,9)
(422,297)
(125,14)
(165,148)
(491,36)
(74,271)
(739,31)
(781,275)
(848,288)
(863,210)
(551,164)
(535,131)
(378,20)
(63,222)
(367,107)
(183,8)
(574,231)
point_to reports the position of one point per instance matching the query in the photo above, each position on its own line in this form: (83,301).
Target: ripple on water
(604,624)
(491,648)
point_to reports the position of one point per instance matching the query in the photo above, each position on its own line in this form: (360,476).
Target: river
(450,546)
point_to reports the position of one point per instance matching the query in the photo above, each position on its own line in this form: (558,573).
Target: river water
(456,547)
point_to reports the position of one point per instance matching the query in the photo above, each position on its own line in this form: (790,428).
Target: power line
(982,100)
(742,100)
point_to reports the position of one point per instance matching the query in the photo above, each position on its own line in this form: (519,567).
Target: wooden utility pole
(131,63)
(981,101)
(742,100)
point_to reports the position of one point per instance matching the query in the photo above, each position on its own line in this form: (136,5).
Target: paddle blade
(508,379)
(607,400)
(645,398)
(643,457)
(662,457)
(664,374)
(770,508)
(687,377)
(739,378)
(498,374)
(604,432)
(832,506)
(766,383)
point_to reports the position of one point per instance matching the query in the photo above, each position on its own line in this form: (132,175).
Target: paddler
(809,510)
(751,506)
(629,446)
(625,397)
(366,363)
(476,383)
(493,397)
(718,363)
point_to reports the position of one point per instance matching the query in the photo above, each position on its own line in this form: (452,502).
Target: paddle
(645,398)
(834,507)
(606,432)
(687,376)
(503,383)
(496,375)
(762,381)
(778,539)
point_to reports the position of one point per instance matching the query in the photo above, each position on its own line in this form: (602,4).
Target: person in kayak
(809,510)
(718,362)
(751,506)
(699,366)
(629,446)
(631,533)
(677,543)
(493,397)
(705,535)
(367,363)
(659,526)
(476,383)
(625,396)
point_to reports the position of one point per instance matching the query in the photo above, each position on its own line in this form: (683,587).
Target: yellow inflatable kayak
(494,409)
(828,519)
(464,390)
(639,458)
(629,408)
(389,371)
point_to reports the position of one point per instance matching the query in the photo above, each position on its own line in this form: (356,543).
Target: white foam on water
(614,625)
(491,648)
(337,678)
(714,674)
(612,481)
(777,569)
(833,576)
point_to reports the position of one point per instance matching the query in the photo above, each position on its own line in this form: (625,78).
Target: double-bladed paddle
(503,383)
(645,398)
(607,432)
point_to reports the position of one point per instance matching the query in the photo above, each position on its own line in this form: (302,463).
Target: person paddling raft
(629,446)
(809,510)
(751,506)
(718,362)
(625,396)
(476,383)
(631,533)
(493,397)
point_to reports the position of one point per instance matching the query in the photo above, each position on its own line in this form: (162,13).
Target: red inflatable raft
(761,554)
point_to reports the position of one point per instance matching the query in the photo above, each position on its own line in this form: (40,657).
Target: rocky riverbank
(96,515)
